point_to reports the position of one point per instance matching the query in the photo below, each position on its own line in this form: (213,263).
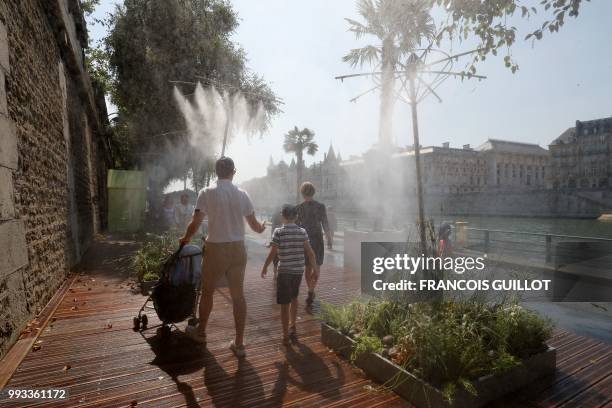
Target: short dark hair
(224,167)
(308,189)
(289,212)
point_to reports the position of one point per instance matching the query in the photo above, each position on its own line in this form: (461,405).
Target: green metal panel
(127,193)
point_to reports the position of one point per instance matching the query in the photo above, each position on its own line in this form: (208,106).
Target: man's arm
(269,259)
(254,224)
(192,228)
(325,224)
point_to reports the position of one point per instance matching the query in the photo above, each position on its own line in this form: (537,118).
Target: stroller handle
(178,251)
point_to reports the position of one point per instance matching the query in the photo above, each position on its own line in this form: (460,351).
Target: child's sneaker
(238,351)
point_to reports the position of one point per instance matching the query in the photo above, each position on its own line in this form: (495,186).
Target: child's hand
(264,272)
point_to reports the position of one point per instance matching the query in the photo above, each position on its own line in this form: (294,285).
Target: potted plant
(150,258)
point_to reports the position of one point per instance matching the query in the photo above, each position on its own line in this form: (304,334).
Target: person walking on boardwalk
(312,216)
(227,207)
(290,245)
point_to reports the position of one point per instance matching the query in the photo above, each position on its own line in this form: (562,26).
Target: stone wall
(50,155)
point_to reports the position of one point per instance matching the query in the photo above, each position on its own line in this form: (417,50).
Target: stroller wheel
(193,321)
(136,321)
(144,321)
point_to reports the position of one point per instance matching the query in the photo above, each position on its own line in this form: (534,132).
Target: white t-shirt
(226,206)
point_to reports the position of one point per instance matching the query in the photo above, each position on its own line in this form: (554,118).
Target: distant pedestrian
(183,212)
(312,216)
(167,214)
(445,247)
(290,244)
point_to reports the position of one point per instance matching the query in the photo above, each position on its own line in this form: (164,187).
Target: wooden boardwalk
(89,347)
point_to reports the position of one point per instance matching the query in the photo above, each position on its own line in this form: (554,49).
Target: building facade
(581,157)
(514,165)
(495,165)
(53,155)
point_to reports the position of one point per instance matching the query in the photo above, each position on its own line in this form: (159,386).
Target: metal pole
(417,160)
(227,123)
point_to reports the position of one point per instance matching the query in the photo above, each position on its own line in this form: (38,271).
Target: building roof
(506,146)
(600,126)
(566,137)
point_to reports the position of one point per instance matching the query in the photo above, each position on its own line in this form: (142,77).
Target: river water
(555,226)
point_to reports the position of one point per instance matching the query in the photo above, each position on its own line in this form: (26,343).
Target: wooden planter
(424,395)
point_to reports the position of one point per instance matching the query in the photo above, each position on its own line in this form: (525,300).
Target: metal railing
(539,248)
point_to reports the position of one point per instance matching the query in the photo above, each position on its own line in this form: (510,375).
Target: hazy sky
(298,46)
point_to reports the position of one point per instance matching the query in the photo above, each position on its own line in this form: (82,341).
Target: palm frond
(358,29)
(312,148)
(361,56)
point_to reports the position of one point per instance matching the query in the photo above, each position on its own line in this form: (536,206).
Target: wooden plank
(23,346)
(595,396)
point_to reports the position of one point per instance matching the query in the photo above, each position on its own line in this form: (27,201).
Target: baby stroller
(175,296)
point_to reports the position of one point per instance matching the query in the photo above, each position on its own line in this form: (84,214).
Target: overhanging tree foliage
(399,26)
(153,42)
(490,23)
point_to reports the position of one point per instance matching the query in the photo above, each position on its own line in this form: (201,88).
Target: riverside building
(572,178)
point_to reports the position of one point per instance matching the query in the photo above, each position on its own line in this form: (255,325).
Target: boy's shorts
(287,287)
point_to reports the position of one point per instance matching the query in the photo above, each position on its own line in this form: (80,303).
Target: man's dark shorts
(287,287)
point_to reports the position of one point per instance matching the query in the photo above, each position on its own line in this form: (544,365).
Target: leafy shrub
(449,344)
(154,251)
(367,344)
(525,331)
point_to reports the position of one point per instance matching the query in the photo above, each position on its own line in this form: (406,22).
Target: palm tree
(296,141)
(400,27)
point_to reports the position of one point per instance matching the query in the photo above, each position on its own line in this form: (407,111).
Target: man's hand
(329,245)
(255,225)
(264,272)
(184,240)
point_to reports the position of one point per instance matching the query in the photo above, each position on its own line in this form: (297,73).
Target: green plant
(367,344)
(449,344)
(525,331)
(154,251)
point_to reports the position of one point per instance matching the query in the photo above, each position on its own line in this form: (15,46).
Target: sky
(298,48)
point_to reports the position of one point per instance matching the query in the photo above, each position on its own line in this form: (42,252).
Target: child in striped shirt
(290,243)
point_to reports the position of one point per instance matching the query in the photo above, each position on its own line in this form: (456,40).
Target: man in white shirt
(227,207)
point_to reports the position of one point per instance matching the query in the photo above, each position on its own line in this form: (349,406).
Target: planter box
(147,286)
(424,395)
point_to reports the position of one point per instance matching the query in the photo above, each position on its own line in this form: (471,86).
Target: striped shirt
(289,239)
